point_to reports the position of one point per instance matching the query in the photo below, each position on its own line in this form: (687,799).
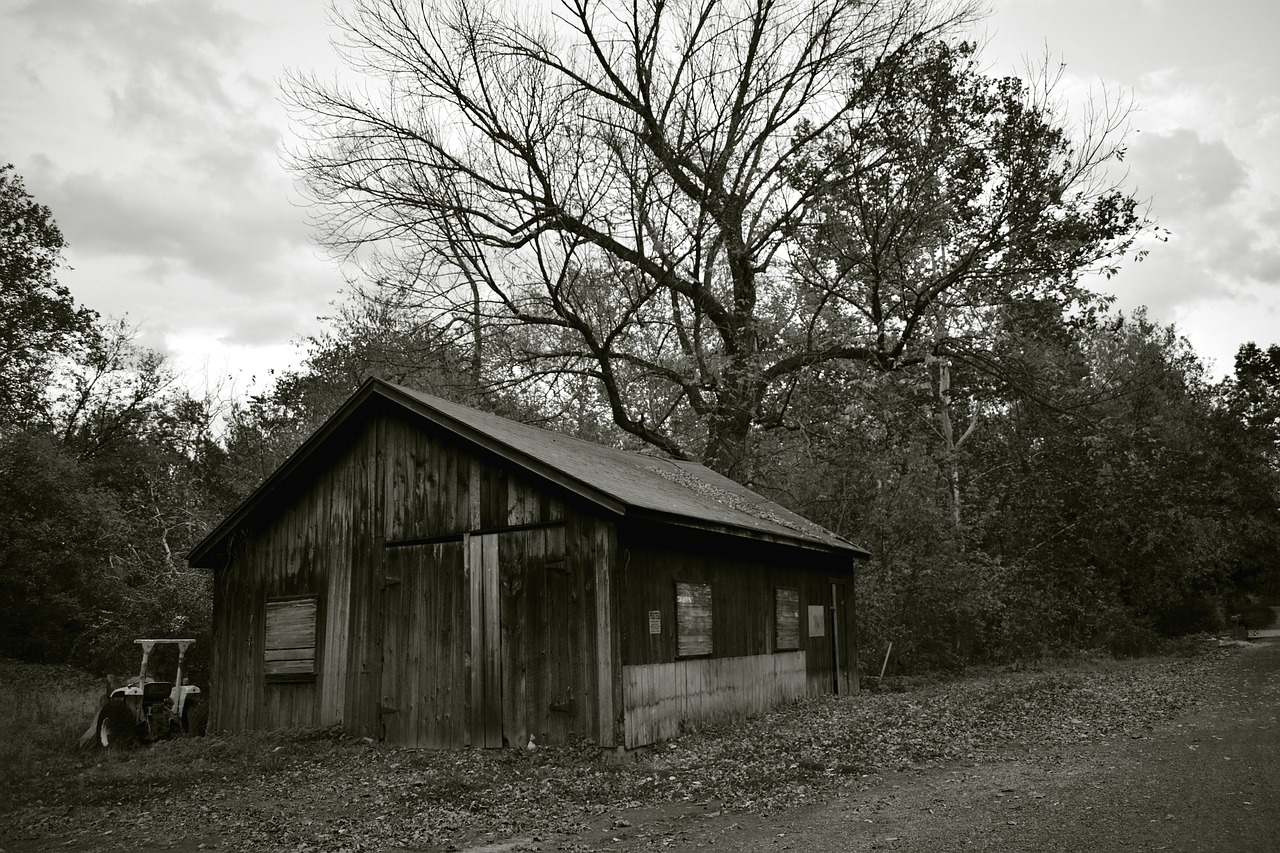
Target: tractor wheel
(195,718)
(117,728)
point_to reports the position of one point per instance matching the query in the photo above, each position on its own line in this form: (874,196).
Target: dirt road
(1205,782)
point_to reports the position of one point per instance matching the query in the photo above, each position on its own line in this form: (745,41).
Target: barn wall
(303,548)
(660,695)
(745,672)
(396,636)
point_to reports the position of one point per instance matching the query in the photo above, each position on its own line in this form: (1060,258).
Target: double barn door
(478,641)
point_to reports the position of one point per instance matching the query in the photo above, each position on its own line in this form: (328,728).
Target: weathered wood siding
(742,581)
(467,638)
(305,547)
(658,696)
(425,698)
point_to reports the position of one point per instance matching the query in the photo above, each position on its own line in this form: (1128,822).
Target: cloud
(1220,243)
(151,129)
(156,63)
(226,234)
(1186,173)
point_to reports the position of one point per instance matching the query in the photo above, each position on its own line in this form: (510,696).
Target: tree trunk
(729,443)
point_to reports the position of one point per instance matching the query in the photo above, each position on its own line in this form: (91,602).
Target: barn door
(522,663)
(424,656)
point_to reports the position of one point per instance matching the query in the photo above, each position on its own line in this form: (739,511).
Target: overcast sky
(152,128)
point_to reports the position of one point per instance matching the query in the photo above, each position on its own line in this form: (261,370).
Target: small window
(693,619)
(786,619)
(289,653)
(817,620)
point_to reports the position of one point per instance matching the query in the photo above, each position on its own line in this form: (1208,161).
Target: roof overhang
(808,544)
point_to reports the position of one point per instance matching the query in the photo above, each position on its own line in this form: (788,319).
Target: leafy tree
(1116,483)
(1253,395)
(38,317)
(980,199)
(57,528)
(1247,421)
(1112,495)
(367,337)
(107,491)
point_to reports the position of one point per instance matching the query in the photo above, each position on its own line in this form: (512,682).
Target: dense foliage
(1112,498)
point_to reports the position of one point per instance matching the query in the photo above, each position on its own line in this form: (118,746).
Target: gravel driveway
(1207,781)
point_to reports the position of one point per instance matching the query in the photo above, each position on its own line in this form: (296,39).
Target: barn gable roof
(622,483)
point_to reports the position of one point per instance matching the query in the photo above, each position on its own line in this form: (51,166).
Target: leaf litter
(323,791)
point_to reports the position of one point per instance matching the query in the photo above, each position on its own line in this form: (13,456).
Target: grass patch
(43,709)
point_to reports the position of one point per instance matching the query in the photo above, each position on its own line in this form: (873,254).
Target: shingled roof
(625,484)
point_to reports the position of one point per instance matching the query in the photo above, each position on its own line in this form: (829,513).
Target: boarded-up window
(289,653)
(786,619)
(817,620)
(693,619)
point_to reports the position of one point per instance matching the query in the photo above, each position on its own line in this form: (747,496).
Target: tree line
(810,243)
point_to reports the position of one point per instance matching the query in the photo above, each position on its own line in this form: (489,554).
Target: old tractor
(147,710)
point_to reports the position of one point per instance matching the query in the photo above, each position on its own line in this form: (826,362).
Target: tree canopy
(698,205)
(38,318)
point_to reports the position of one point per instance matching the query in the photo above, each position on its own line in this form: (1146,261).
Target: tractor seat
(156,691)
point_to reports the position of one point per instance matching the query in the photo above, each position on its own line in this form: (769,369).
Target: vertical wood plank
(519,577)
(416,644)
(475,586)
(356,500)
(456,614)
(543,659)
(564,672)
(391,695)
(451,516)
(851,674)
(473,494)
(609,689)
(492,641)
(337,595)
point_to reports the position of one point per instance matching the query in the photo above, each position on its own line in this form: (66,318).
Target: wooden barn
(437,576)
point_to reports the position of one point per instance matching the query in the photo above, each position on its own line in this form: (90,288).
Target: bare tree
(622,193)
